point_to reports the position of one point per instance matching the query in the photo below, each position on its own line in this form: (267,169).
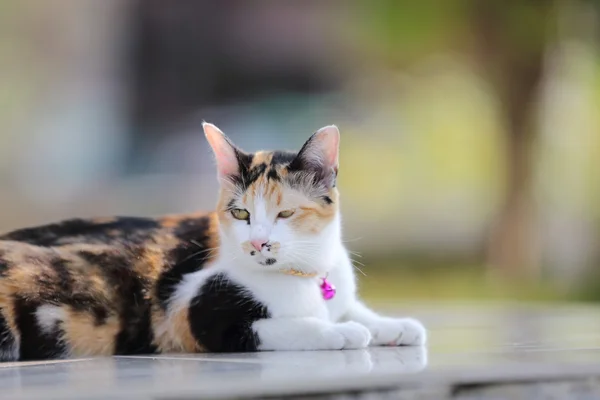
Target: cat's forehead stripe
(271,163)
(261,157)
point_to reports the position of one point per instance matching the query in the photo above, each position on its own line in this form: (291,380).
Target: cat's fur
(196,283)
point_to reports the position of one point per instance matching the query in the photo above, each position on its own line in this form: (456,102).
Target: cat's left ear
(226,154)
(320,155)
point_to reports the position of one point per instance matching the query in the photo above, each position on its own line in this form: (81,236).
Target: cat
(246,277)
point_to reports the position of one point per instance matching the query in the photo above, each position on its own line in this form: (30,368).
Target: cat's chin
(268,262)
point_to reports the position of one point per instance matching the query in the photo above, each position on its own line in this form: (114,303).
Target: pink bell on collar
(327,289)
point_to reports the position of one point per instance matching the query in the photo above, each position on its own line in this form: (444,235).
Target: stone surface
(489,351)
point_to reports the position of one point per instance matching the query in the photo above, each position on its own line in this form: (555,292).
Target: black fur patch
(248,177)
(64,294)
(100,315)
(135,334)
(190,256)
(298,163)
(35,344)
(282,157)
(272,175)
(137,339)
(221,316)
(4,266)
(244,160)
(131,229)
(7,342)
(193,229)
(65,280)
(231,205)
(57,287)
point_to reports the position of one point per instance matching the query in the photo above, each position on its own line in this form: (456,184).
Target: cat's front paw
(356,336)
(397,332)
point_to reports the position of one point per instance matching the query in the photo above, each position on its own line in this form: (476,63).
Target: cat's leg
(347,307)
(225,316)
(388,331)
(310,334)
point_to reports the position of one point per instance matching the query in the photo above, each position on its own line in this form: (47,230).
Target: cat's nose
(258,244)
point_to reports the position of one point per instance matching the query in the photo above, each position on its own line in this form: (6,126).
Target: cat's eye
(241,214)
(285,214)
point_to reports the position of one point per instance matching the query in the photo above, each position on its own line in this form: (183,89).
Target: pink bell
(327,289)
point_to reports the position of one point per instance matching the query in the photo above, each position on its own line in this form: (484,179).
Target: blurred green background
(470,128)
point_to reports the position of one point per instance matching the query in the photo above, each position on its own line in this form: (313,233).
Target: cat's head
(278,210)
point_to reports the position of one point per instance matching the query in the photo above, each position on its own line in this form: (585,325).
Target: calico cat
(246,277)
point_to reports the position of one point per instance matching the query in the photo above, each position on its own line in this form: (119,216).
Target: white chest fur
(342,276)
(292,296)
(285,296)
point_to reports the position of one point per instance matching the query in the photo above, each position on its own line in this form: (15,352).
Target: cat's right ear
(320,155)
(226,153)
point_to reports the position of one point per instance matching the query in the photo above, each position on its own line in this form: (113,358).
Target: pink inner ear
(227,163)
(329,142)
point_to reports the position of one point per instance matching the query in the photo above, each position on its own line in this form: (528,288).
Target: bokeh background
(470,129)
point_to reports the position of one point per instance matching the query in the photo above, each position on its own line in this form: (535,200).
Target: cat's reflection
(401,360)
(149,373)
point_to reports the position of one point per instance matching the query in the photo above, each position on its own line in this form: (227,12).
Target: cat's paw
(397,332)
(356,336)
(310,334)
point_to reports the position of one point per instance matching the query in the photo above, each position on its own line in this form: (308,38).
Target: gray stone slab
(474,352)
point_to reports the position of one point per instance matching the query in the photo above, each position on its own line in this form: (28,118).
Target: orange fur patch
(261,157)
(173,333)
(151,263)
(314,218)
(87,339)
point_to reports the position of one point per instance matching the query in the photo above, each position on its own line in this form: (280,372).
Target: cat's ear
(320,155)
(226,153)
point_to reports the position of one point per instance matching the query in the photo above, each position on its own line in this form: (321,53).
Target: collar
(299,273)
(327,289)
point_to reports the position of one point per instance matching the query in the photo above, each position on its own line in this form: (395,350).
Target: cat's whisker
(303,259)
(196,243)
(307,242)
(352,240)
(206,251)
(298,258)
(301,250)
(199,253)
(357,262)
(301,245)
(359,270)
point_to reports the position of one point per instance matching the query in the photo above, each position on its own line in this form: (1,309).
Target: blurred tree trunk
(510,40)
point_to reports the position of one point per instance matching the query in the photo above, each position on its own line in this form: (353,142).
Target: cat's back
(113,230)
